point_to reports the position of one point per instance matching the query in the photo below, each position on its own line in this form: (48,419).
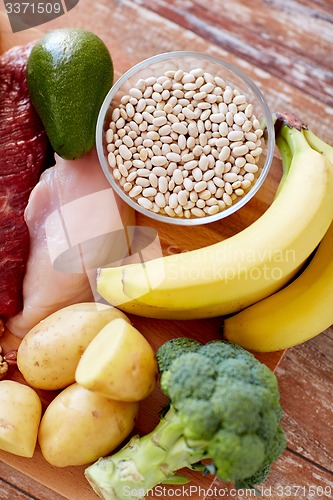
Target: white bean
(158,161)
(143,172)
(236,135)
(182,197)
(239,192)
(189,165)
(135,191)
(159,121)
(178,176)
(188,184)
(212,210)
(145,203)
(162,184)
(184,138)
(132,176)
(173,200)
(125,152)
(240,151)
(112,160)
(200,186)
(165,130)
(193,129)
(225,153)
(217,117)
(160,200)
(197,174)
(149,191)
(169,211)
(251,167)
(197,212)
(227,199)
(135,92)
(142,181)
(230,177)
(179,128)
(153,135)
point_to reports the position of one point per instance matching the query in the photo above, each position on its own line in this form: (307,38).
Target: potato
(119,363)
(48,355)
(80,426)
(20,414)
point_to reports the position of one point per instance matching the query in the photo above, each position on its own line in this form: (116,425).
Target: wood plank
(133,32)
(286,39)
(305,378)
(130,47)
(291,476)
(14,483)
(8,492)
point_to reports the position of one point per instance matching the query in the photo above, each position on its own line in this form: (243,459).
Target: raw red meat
(24,154)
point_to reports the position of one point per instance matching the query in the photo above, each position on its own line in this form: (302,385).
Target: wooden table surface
(286,48)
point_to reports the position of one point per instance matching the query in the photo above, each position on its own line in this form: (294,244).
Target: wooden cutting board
(70,481)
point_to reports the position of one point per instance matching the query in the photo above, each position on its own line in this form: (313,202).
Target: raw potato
(20,414)
(48,355)
(119,363)
(80,426)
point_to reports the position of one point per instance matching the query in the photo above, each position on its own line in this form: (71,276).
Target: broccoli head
(224,407)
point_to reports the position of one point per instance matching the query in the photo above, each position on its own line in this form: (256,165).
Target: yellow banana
(293,315)
(230,275)
(319,145)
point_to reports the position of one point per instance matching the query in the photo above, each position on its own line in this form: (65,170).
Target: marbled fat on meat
(24,153)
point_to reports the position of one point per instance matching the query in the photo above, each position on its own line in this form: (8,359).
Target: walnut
(3,365)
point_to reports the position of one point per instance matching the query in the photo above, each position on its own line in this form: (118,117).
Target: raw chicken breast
(76,224)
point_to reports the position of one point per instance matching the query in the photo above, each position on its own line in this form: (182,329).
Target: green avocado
(69,73)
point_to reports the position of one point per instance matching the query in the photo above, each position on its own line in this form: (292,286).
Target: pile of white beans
(184,144)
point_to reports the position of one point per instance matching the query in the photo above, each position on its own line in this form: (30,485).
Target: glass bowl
(187,61)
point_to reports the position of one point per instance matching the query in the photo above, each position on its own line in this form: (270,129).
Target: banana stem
(294,138)
(297,134)
(290,127)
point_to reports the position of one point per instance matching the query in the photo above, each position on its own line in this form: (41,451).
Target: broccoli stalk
(144,462)
(224,407)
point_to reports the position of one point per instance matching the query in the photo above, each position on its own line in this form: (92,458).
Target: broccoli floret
(276,447)
(169,352)
(224,407)
(181,380)
(172,349)
(239,418)
(236,455)
(199,419)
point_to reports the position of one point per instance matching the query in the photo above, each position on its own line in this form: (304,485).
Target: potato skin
(20,414)
(50,352)
(80,426)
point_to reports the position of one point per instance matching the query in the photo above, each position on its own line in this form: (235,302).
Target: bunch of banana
(293,315)
(235,273)
(301,310)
